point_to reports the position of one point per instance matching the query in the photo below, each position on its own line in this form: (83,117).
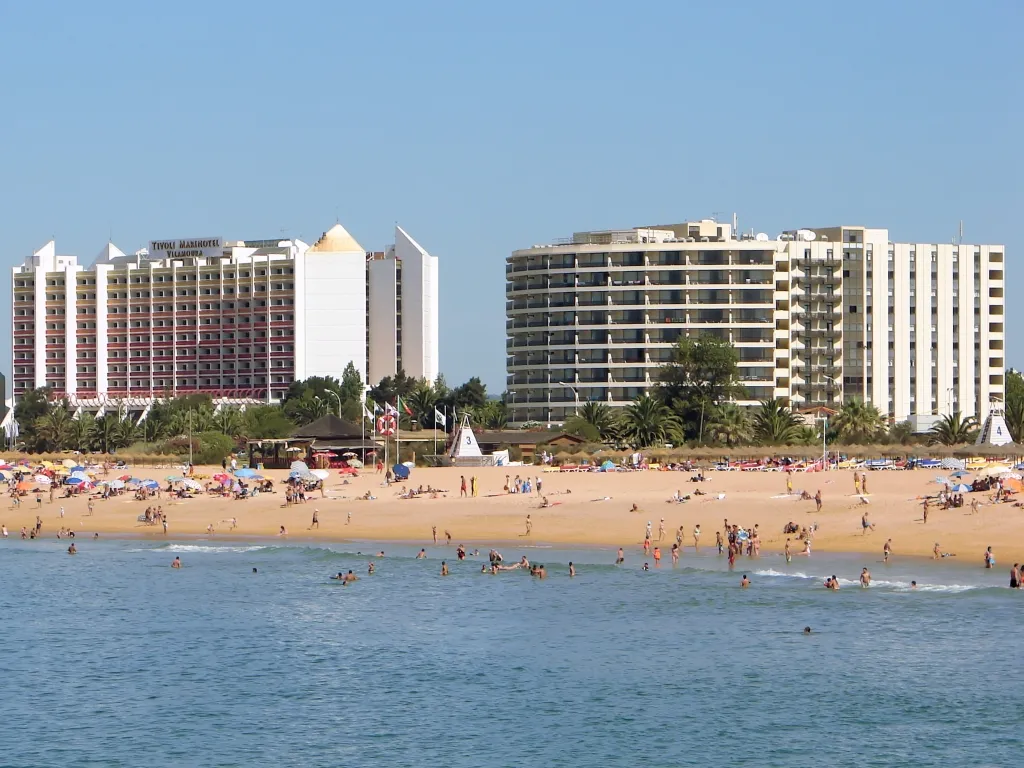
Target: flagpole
(398,429)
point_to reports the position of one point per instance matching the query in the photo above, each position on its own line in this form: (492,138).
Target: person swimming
(176,563)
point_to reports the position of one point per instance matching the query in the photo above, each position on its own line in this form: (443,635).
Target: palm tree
(594,421)
(125,433)
(491,415)
(648,421)
(422,401)
(858,422)
(230,422)
(775,424)
(54,428)
(1015,418)
(154,426)
(730,424)
(953,430)
(80,433)
(104,432)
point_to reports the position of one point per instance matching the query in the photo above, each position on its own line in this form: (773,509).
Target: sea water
(111,658)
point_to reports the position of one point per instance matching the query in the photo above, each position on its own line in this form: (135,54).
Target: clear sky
(485,127)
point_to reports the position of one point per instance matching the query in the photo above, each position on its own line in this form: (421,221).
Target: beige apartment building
(815,315)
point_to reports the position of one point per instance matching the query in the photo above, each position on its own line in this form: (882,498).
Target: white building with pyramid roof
(994,430)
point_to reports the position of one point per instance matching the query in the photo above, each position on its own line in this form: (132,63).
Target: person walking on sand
(448,537)
(647,534)
(887,551)
(661,529)
(62,513)
(164,523)
(529,526)
(696,537)
(433,532)
(316,520)
(348,517)
(462,486)
(817,501)
(856,483)
(718,541)
(864,483)
(925,508)
(789,481)
(865,525)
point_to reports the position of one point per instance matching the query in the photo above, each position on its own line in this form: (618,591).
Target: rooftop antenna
(735,224)
(715,215)
(961,241)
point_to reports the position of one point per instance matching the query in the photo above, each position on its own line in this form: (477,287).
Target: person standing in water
(789,553)
(444,568)
(696,537)
(718,541)
(176,563)
(1015,576)
(990,558)
(572,570)
(865,578)
(621,559)
(744,582)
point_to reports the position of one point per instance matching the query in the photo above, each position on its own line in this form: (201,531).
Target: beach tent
(401,471)
(246,472)
(608,466)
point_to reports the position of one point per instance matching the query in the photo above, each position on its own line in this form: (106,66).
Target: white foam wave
(784,574)
(897,586)
(199,548)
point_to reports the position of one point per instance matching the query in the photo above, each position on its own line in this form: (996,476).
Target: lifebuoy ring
(386,424)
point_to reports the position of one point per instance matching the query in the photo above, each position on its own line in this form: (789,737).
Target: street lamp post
(336,397)
(575,395)
(824,431)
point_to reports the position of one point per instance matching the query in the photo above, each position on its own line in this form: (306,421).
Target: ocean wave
(783,574)
(896,586)
(201,548)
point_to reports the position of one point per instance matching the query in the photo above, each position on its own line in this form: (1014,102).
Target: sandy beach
(586,509)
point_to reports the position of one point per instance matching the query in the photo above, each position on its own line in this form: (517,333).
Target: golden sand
(587,509)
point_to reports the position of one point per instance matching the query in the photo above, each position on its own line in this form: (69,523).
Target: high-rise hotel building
(815,316)
(239,320)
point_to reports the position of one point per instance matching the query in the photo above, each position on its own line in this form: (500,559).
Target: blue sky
(485,127)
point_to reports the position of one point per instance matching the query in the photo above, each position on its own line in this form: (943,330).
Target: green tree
(421,401)
(648,421)
(266,421)
(594,421)
(231,422)
(701,375)
(80,432)
(319,386)
(902,432)
(307,408)
(471,395)
(391,387)
(775,424)
(351,389)
(729,424)
(858,422)
(125,433)
(953,429)
(30,406)
(1015,418)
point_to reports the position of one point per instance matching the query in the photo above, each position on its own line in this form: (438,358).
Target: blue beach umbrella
(246,472)
(150,484)
(960,473)
(961,488)
(74,481)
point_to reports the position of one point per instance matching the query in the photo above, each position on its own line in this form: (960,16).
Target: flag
(390,409)
(404,406)
(366,412)
(377,408)
(440,418)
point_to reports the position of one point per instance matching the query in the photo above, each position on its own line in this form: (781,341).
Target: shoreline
(584,510)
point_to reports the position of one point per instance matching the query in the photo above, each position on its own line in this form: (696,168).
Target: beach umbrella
(960,473)
(220,477)
(43,479)
(293,449)
(150,484)
(993,470)
(323,474)
(174,478)
(76,468)
(299,466)
(116,483)
(70,481)
(949,463)
(67,463)
(246,472)
(125,478)
(188,482)
(355,463)
(961,488)
(942,480)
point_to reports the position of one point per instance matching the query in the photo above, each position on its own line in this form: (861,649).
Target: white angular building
(239,320)
(815,315)
(403,302)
